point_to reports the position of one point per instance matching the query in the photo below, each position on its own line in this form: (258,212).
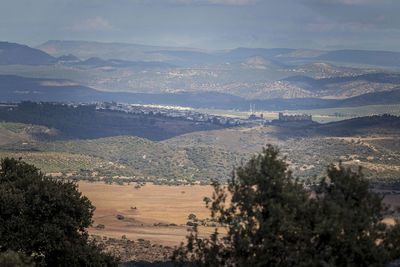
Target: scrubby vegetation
(133,159)
(310,149)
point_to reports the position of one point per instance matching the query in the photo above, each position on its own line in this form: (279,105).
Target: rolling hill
(128,156)
(123,51)
(190,56)
(371,142)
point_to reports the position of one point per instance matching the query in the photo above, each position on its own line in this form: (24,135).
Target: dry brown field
(154,204)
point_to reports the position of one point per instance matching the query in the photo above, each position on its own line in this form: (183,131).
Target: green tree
(273,220)
(348,222)
(46,218)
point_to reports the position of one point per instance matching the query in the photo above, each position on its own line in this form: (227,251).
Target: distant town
(189,114)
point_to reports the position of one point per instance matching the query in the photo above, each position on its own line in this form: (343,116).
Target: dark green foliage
(347,221)
(11,258)
(45,218)
(273,220)
(207,200)
(191,216)
(100,226)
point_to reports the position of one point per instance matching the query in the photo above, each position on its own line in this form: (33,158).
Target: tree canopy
(272,219)
(46,218)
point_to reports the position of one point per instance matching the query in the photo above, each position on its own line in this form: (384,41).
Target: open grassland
(153,212)
(319,115)
(336,114)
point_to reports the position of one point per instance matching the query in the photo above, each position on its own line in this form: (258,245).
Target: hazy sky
(212,24)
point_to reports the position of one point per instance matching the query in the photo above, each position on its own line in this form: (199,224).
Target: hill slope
(13,54)
(17,132)
(129,155)
(85,122)
(370,142)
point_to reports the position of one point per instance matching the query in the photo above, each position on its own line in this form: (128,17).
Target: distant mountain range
(378,58)
(272,79)
(191,56)
(16,54)
(15,89)
(54,51)
(95,62)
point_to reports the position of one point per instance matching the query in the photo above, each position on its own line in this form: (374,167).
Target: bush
(191,216)
(100,226)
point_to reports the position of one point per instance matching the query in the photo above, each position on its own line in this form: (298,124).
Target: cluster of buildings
(171,111)
(189,114)
(186,113)
(287,118)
